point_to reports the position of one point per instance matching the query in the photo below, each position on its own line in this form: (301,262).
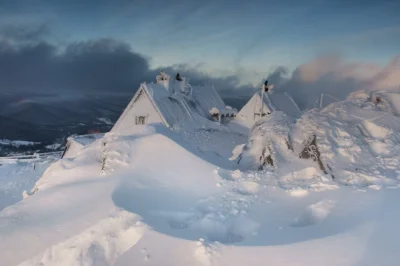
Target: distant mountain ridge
(49,119)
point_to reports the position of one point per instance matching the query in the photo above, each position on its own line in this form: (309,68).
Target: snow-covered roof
(280,101)
(171,109)
(207,98)
(272,101)
(178,100)
(86,139)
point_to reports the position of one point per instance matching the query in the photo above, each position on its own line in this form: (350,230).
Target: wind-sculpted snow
(161,197)
(354,142)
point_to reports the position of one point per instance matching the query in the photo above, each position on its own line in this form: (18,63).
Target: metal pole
(262,100)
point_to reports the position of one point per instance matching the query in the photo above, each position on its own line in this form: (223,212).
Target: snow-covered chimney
(184,86)
(164,80)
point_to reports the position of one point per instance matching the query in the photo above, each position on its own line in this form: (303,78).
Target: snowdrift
(151,196)
(354,142)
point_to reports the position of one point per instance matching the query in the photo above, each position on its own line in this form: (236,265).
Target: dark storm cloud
(17,33)
(30,63)
(227,83)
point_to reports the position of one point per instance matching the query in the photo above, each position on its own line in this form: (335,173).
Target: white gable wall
(274,101)
(139,106)
(253,106)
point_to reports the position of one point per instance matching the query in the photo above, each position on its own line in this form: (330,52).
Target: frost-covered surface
(158,197)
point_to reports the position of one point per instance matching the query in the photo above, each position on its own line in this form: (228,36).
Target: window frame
(140,120)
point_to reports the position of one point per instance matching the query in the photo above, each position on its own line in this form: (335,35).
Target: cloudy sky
(66,43)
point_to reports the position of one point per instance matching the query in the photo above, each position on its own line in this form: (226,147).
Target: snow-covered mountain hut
(172,101)
(266,101)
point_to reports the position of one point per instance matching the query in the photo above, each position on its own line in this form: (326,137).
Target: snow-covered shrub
(269,143)
(311,151)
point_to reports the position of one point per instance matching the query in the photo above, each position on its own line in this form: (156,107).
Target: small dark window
(140,120)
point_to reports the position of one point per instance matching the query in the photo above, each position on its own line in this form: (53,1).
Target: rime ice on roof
(172,101)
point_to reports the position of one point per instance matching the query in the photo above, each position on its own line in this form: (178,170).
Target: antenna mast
(263,88)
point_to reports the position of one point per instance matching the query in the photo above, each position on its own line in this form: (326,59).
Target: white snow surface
(158,197)
(18,177)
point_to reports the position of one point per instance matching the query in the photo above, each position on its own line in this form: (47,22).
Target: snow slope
(157,197)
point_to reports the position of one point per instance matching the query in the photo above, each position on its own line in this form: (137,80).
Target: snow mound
(314,213)
(269,142)
(353,142)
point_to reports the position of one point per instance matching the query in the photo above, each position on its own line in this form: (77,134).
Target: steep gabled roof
(206,97)
(177,105)
(281,101)
(171,109)
(272,101)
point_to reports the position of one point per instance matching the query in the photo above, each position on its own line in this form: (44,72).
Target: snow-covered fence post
(104,157)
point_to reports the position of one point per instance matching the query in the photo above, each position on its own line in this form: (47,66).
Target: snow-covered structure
(354,142)
(171,101)
(76,143)
(264,103)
